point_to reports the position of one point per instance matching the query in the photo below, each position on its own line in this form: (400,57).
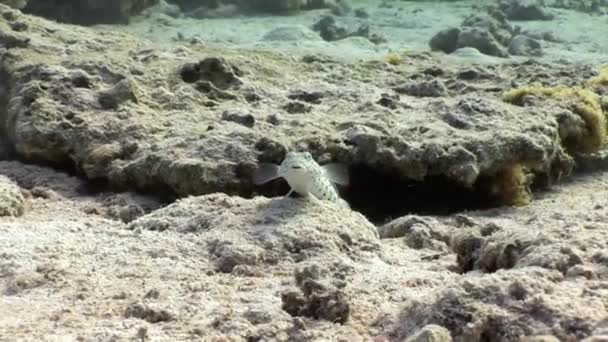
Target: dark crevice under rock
(383,196)
(380,196)
(67,166)
(5,147)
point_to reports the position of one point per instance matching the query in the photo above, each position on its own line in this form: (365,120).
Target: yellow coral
(601,79)
(584,102)
(393,58)
(509,186)
(512,186)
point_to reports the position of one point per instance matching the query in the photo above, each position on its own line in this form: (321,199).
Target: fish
(306,177)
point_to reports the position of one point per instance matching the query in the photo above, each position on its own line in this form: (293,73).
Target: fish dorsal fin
(337,173)
(265,173)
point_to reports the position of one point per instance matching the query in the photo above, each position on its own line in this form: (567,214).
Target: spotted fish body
(306,177)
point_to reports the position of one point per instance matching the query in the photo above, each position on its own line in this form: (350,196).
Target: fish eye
(308,155)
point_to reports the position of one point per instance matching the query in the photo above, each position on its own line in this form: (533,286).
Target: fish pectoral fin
(343,203)
(313,198)
(337,173)
(289,193)
(265,173)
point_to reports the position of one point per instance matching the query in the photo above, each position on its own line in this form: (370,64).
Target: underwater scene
(304,170)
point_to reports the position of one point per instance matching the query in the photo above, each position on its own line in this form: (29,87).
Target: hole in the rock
(190,73)
(5,147)
(65,165)
(163,193)
(382,196)
(272,189)
(93,186)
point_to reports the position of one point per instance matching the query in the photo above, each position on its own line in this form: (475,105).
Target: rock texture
(597,7)
(12,202)
(491,32)
(525,10)
(265,231)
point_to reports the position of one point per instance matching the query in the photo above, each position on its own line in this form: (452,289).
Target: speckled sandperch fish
(306,177)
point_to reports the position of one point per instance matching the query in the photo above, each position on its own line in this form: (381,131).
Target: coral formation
(601,79)
(12,202)
(583,102)
(511,185)
(489,32)
(585,132)
(393,58)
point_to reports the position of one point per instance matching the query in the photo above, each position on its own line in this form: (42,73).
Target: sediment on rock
(274,230)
